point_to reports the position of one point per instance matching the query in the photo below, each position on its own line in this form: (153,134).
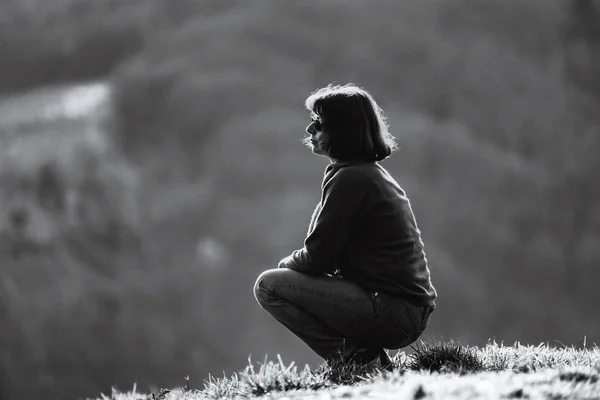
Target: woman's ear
(51,188)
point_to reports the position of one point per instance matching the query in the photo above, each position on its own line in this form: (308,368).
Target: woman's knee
(264,287)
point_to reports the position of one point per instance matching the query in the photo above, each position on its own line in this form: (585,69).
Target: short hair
(354,126)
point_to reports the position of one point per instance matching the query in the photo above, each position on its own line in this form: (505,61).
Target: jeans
(337,318)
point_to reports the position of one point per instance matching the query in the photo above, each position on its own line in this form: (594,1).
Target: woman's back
(384,252)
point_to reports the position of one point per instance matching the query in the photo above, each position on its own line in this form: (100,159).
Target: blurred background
(151,168)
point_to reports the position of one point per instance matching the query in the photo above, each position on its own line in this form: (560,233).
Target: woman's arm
(342,204)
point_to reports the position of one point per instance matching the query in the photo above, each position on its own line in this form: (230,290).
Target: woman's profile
(361,283)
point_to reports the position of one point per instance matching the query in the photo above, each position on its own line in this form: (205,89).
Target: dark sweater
(364,229)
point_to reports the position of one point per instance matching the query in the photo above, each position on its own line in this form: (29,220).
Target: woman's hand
(287,262)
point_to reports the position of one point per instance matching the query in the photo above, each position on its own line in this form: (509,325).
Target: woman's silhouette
(361,283)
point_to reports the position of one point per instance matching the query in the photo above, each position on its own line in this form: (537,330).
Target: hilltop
(432,371)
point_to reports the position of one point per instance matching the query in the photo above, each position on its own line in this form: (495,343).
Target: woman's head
(347,124)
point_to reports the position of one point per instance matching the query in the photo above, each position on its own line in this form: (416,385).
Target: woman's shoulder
(356,170)
(371,174)
(367,170)
(355,176)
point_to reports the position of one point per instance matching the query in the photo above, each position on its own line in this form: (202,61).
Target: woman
(361,282)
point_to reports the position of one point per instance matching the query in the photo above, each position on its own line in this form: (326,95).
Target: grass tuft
(339,373)
(115,394)
(277,377)
(162,394)
(445,357)
(270,377)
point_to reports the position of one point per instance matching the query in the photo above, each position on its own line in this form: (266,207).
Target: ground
(432,371)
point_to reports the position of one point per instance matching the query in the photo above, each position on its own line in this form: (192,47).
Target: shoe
(385,361)
(374,364)
(380,362)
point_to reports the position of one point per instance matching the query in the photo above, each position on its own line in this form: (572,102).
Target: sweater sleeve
(342,203)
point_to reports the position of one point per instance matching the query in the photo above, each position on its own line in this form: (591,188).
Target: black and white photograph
(299,199)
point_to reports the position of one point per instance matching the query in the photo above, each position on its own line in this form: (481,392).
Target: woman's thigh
(339,303)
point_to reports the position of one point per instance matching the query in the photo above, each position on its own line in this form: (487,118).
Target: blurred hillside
(194,178)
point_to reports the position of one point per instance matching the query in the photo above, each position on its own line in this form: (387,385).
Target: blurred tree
(582,44)
(574,186)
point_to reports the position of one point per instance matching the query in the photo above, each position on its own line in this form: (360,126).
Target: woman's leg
(335,317)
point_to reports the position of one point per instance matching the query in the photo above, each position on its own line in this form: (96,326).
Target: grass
(432,370)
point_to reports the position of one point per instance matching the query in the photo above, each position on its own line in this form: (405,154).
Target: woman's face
(315,130)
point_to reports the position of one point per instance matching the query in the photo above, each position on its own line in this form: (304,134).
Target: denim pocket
(379,312)
(408,318)
(381,328)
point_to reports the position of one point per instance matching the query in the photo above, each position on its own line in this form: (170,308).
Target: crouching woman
(361,282)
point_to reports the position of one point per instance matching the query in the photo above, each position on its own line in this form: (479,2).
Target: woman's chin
(316,149)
